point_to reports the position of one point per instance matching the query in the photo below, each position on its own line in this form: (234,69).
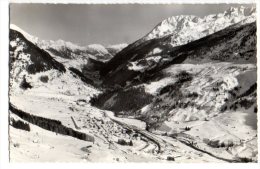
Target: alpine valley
(185,92)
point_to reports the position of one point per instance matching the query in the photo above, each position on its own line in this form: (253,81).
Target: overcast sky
(103,24)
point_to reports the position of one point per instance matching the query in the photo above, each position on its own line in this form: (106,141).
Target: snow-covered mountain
(187,28)
(32,67)
(177,31)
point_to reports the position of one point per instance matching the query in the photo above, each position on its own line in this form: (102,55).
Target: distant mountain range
(70,50)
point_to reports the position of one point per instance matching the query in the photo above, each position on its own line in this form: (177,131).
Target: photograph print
(163,83)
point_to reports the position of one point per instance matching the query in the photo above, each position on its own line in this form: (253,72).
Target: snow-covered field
(65,148)
(43,145)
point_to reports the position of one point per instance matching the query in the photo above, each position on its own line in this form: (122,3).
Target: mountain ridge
(176,24)
(60,45)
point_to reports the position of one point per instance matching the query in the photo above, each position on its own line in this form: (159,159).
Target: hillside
(233,44)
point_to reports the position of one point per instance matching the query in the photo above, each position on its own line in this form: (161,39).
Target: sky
(85,24)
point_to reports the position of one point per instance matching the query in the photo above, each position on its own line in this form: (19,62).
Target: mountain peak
(28,36)
(239,11)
